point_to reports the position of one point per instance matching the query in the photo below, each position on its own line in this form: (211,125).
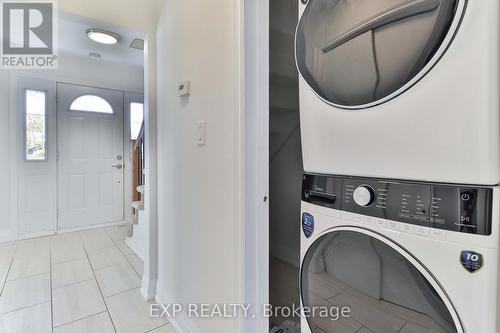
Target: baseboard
(138,241)
(181,323)
(6,236)
(36,235)
(284,254)
(90,227)
(148,288)
(134,245)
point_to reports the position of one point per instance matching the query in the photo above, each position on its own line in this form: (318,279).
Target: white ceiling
(73,39)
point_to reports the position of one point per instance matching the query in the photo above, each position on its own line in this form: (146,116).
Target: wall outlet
(201,133)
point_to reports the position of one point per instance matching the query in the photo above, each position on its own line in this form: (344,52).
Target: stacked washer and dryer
(399,103)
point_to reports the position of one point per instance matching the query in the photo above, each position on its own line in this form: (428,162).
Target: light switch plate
(201,133)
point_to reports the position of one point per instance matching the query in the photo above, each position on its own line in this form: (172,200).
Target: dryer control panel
(459,208)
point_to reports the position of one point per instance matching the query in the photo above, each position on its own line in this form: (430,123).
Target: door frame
(126,162)
(20,82)
(255,254)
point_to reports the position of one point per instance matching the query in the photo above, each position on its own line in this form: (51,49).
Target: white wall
(72,69)
(199,193)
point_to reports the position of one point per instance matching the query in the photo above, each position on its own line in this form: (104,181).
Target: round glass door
(360,53)
(354,282)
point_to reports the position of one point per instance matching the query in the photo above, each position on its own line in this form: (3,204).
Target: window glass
(136,119)
(357,53)
(36,125)
(91,103)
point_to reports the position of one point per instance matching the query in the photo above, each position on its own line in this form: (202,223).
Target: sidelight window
(35,125)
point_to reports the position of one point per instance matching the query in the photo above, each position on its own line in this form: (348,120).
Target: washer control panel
(465,209)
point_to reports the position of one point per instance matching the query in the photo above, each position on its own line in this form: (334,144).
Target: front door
(90,156)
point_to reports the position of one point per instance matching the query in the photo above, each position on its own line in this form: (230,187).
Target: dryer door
(359,53)
(382,287)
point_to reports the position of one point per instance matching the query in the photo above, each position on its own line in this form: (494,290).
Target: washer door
(359,53)
(384,288)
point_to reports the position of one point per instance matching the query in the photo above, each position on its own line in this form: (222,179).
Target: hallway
(85,281)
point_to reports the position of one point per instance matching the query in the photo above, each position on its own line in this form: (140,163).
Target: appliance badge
(307,224)
(472,261)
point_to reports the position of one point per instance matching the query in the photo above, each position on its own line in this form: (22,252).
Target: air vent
(137,44)
(95,55)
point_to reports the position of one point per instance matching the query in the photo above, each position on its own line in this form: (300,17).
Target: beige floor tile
(25,292)
(76,301)
(323,286)
(35,319)
(341,325)
(71,272)
(413,328)
(96,240)
(33,247)
(164,329)
(118,233)
(130,313)
(99,323)
(29,266)
(117,278)
(136,263)
(368,315)
(69,254)
(106,257)
(67,248)
(6,253)
(3,277)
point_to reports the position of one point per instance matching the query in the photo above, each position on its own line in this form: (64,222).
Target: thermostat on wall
(184,88)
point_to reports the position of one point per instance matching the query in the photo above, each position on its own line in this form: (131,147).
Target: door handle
(405,9)
(118,166)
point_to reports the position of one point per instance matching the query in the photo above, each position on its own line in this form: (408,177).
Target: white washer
(401,256)
(401,89)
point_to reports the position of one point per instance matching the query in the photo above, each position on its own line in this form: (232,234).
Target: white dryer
(399,256)
(405,89)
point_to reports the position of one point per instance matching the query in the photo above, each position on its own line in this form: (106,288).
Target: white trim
(256,144)
(36,235)
(239,172)
(150,172)
(95,226)
(148,288)
(183,324)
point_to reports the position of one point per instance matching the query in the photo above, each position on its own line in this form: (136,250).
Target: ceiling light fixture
(103,36)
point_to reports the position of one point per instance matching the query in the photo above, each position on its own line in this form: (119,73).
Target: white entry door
(90,165)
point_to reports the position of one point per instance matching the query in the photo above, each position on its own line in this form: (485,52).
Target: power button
(465,196)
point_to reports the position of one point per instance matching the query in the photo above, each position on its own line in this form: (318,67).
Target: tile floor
(82,282)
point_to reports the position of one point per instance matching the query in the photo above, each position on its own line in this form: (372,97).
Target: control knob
(364,195)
